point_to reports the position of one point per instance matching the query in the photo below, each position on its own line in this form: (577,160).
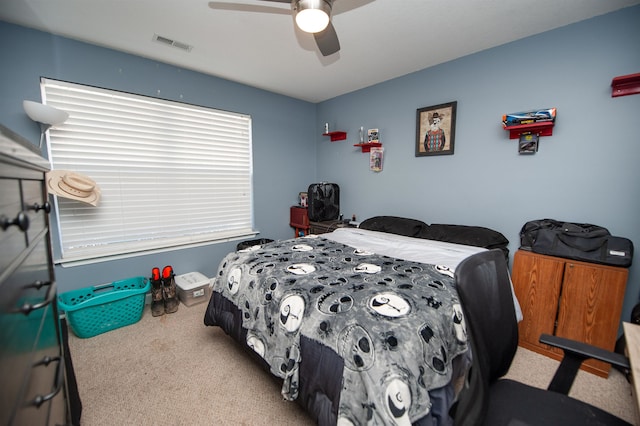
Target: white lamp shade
(312,16)
(44,114)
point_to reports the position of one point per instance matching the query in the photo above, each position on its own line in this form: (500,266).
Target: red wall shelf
(336,136)
(625,85)
(366,147)
(544,128)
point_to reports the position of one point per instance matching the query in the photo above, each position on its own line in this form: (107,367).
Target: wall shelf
(336,136)
(625,85)
(366,147)
(544,128)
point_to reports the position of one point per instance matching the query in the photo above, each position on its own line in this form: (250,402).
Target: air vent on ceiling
(173,43)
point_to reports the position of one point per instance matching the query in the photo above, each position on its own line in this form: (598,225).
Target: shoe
(157,301)
(169,292)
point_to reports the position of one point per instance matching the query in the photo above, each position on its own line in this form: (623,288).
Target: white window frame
(170,174)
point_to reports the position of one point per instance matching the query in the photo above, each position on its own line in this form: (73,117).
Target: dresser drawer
(17,365)
(44,377)
(34,204)
(15,362)
(26,285)
(12,239)
(27,295)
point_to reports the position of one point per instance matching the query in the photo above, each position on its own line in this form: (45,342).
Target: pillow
(468,235)
(394,225)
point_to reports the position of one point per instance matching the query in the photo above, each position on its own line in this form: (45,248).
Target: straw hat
(72,185)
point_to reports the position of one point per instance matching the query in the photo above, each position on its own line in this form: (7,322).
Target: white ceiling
(244,42)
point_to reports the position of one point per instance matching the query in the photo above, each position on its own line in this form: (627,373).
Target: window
(170,174)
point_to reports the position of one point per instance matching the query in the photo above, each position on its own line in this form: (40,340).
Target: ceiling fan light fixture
(312,16)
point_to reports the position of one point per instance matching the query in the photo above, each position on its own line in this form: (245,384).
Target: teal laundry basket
(95,310)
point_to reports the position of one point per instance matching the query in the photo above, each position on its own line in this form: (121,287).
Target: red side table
(299,220)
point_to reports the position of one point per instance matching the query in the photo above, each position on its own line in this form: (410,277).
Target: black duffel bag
(578,241)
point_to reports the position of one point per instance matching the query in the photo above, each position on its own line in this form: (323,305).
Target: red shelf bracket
(366,147)
(625,85)
(336,136)
(543,129)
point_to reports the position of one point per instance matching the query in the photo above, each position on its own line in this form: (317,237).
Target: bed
(361,325)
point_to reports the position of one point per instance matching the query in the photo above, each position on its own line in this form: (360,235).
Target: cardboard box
(193,288)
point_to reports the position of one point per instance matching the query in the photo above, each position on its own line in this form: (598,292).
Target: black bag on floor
(578,241)
(324,201)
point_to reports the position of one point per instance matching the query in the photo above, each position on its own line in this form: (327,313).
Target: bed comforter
(361,338)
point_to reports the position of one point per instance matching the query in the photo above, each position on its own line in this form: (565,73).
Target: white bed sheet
(414,249)
(408,248)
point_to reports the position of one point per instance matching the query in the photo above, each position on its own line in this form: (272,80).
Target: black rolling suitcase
(324,201)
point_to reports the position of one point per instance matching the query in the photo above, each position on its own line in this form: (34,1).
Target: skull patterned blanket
(382,331)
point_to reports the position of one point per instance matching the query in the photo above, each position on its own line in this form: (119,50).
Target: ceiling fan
(312,16)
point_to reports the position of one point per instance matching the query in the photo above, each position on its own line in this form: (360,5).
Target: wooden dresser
(33,390)
(568,298)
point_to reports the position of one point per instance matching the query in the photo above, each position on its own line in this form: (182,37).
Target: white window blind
(170,173)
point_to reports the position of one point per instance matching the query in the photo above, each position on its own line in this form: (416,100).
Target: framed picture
(435,129)
(376,158)
(528,143)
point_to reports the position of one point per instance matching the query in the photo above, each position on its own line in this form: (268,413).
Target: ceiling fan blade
(279,1)
(218,5)
(327,40)
(345,6)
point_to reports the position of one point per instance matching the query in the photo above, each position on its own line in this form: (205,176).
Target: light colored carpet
(172,370)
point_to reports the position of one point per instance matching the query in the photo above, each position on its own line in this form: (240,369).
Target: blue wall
(585,172)
(283,129)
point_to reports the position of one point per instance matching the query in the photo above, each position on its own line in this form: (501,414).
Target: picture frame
(376,158)
(528,143)
(435,129)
